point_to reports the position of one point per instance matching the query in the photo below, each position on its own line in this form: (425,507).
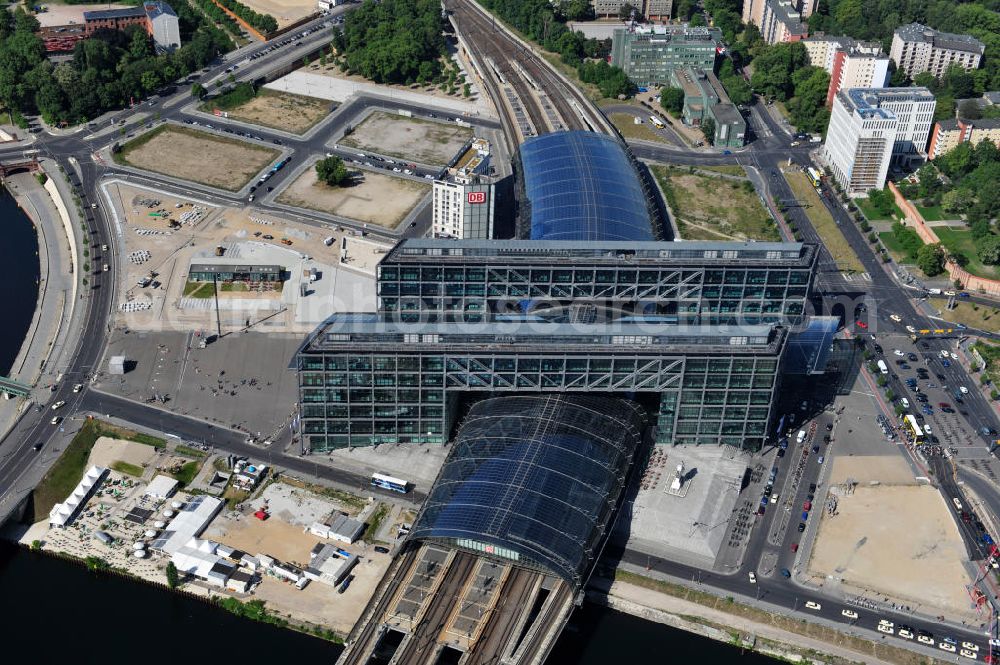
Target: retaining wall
(956,272)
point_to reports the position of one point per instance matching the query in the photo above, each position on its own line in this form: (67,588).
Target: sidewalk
(57,324)
(677,612)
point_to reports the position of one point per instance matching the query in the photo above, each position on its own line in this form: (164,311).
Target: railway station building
(588,301)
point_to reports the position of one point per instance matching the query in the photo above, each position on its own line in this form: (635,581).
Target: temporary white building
(63,513)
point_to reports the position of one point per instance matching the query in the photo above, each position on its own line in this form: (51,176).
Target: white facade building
(163,25)
(917,48)
(850,64)
(464,198)
(871,128)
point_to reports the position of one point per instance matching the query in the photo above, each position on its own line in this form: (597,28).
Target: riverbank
(41,354)
(728,621)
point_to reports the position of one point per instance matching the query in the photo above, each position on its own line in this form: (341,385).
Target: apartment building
(656,10)
(917,48)
(872,128)
(779,20)
(949,133)
(851,64)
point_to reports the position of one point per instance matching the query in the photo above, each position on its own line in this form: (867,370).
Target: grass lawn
(66,472)
(626,125)
(374,522)
(969,314)
(199,290)
(728,169)
(874,215)
(822,221)
(707,207)
(960,242)
(899,253)
(934,213)
(125,467)
(991,354)
(188,451)
(187,473)
(234,287)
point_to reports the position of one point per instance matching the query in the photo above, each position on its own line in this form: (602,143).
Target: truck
(882,367)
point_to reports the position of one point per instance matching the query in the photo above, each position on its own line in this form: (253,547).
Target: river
(19,275)
(64,614)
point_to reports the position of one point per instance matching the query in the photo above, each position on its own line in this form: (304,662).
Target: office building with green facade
(649,54)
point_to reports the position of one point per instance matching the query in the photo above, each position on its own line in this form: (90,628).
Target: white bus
(656,122)
(389,483)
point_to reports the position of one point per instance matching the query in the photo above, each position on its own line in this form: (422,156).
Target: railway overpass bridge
(508,537)
(11,167)
(13,388)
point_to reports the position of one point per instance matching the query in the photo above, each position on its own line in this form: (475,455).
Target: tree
(672,100)
(930,259)
(881,200)
(332,171)
(625,12)
(989,249)
(198,90)
(969,110)
(708,130)
(957,200)
(173,579)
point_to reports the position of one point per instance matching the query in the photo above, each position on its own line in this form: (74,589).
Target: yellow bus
(914,428)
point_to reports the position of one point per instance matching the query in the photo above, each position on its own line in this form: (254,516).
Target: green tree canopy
(988,249)
(672,100)
(332,171)
(708,130)
(930,259)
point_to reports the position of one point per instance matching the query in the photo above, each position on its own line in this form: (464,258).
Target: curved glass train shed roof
(582,186)
(534,479)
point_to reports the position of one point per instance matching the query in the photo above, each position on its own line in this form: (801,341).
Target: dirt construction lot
(201,157)
(284,11)
(897,540)
(423,141)
(282,110)
(375,199)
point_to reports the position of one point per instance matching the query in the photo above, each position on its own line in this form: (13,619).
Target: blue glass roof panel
(582,186)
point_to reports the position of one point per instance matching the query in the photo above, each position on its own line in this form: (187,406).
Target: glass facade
(706,284)
(364,382)
(534,479)
(582,186)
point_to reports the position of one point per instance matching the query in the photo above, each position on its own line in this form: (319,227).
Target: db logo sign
(476,197)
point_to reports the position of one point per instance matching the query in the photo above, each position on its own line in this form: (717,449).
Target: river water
(19,277)
(61,613)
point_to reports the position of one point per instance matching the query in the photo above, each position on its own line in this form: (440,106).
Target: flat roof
(106,14)
(867,102)
(623,254)
(343,331)
(234,267)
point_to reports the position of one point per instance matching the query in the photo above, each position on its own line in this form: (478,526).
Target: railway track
(543,103)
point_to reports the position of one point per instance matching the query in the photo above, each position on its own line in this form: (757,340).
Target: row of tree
(108,70)
(545,23)
(264,23)
(393,41)
(215,13)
